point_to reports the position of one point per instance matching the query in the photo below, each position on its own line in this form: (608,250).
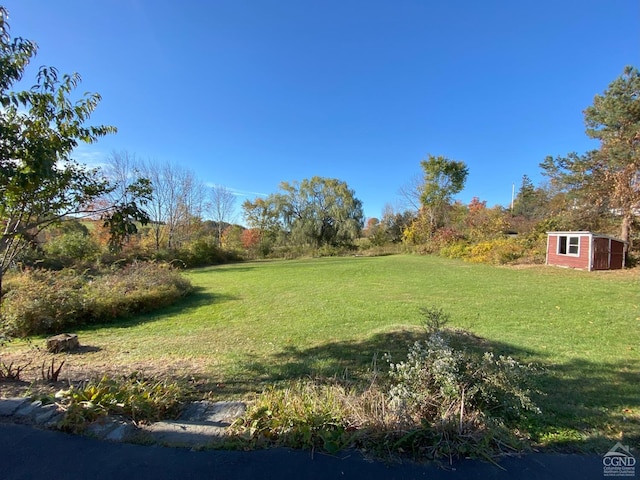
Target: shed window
(568,245)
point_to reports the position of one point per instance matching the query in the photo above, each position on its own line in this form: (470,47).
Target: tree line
(160,210)
(598,190)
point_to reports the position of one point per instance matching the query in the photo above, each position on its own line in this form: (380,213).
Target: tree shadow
(82,349)
(217,270)
(197,299)
(584,404)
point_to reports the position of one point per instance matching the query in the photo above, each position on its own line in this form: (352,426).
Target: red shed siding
(572,261)
(595,252)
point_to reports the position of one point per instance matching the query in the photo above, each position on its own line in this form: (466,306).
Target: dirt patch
(88,363)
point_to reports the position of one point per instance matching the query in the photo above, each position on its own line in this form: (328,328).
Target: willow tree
(320,211)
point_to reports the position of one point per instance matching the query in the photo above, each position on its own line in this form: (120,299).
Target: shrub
(136,288)
(440,384)
(498,252)
(70,249)
(42,301)
(453,400)
(140,399)
(444,400)
(458,249)
(198,253)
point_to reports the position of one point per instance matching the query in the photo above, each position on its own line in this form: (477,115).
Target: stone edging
(201,424)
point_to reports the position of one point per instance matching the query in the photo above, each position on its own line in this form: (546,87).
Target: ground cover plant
(255,325)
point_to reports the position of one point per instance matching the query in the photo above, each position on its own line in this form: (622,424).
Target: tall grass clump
(303,415)
(44,301)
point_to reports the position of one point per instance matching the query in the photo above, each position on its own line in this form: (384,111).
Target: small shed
(585,250)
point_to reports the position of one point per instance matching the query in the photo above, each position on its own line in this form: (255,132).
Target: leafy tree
(484,223)
(395,223)
(40,183)
(607,180)
(321,211)
(232,237)
(250,239)
(443,178)
(263,217)
(376,232)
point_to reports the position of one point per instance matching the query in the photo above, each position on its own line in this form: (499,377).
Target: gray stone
(65,342)
(201,424)
(9,406)
(28,409)
(99,428)
(122,432)
(185,434)
(53,421)
(47,412)
(213,412)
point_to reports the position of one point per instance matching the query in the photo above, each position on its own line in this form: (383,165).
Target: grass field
(253,324)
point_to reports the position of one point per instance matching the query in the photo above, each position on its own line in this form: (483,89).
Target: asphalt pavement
(31,453)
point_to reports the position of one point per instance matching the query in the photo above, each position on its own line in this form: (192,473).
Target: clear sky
(248,93)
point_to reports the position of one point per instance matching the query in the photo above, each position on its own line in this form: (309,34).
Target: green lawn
(257,323)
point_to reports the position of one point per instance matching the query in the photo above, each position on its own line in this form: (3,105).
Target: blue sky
(248,93)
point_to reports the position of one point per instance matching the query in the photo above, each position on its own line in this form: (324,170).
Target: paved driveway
(30,453)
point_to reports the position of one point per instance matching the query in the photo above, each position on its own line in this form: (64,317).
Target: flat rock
(213,412)
(201,424)
(9,406)
(115,429)
(186,434)
(65,342)
(45,414)
(28,409)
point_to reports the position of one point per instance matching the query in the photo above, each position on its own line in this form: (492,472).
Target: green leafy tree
(321,211)
(394,223)
(263,218)
(375,231)
(607,180)
(40,183)
(443,178)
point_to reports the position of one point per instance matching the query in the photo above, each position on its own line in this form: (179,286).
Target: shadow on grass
(198,298)
(586,406)
(218,270)
(82,349)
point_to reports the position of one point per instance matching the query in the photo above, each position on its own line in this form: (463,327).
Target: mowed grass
(253,324)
